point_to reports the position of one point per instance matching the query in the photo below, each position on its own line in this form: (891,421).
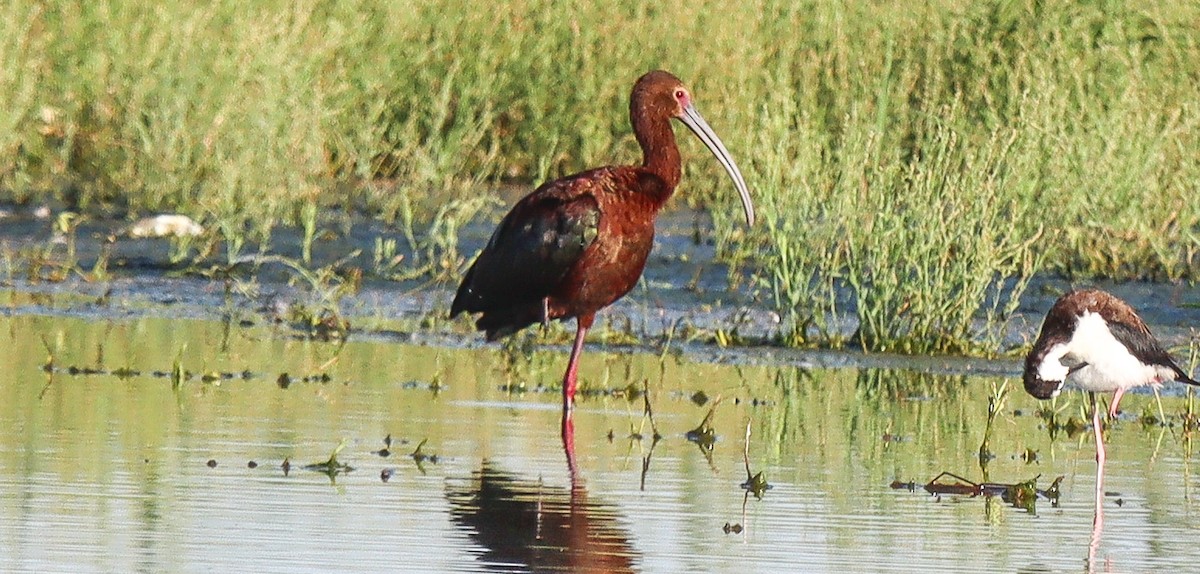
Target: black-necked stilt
(1096,342)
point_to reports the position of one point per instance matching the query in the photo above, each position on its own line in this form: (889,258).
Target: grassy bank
(913,164)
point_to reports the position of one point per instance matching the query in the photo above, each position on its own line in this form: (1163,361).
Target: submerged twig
(1020,495)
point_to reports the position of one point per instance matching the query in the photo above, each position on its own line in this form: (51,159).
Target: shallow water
(103,473)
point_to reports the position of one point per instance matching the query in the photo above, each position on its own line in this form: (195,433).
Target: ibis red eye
(680,94)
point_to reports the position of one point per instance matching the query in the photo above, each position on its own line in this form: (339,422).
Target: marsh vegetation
(914,166)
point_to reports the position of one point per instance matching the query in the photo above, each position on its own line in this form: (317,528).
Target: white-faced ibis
(1097,342)
(577,244)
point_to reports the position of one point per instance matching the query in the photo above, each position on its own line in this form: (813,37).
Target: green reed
(914,165)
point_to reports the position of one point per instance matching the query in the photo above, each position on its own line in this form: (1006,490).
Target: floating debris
(212,463)
(327,325)
(754,402)
(286,466)
(1019,495)
(386,474)
(285,380)
(387,445)
(732,528)
(211,378)
(251,464)
(889,438)
(424,386)
(165,225)
(700,398)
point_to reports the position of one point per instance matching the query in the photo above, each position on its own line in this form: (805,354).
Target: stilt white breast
(1096,361)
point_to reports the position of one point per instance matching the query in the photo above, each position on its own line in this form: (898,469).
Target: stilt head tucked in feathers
(1099,343)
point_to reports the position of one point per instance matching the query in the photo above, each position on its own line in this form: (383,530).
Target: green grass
(914,165)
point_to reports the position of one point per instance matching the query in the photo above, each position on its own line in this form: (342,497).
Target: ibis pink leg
(583,323)
(568,440)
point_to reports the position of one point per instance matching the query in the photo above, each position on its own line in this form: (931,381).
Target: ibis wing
(531,251)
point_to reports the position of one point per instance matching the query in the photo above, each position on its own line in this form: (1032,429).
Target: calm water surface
(100,473)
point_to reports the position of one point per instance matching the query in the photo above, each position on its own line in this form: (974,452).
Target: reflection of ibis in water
(539,528)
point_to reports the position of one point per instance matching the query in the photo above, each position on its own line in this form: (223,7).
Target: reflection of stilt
(1098,516)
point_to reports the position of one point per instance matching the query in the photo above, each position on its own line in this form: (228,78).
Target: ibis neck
(659,152)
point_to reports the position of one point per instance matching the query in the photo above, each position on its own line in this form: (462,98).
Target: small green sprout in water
(178,375)
(331,467)
(704,435)
(649,410)
(49,365)
(420,457)
(995,406)
(1074,426)
(1022,495)
(125,372)
(1191,421)
(755,484)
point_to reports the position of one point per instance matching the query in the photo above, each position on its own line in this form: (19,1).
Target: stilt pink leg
(1096,426)
(1098,516)
(1112,409)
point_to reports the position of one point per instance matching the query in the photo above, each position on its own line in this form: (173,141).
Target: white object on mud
(166,225)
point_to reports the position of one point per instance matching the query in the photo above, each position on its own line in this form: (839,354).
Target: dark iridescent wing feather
(531,251)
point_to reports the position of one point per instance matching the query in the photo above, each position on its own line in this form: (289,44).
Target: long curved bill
(691,118)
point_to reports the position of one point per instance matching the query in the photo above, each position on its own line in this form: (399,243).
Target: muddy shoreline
(684,290)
